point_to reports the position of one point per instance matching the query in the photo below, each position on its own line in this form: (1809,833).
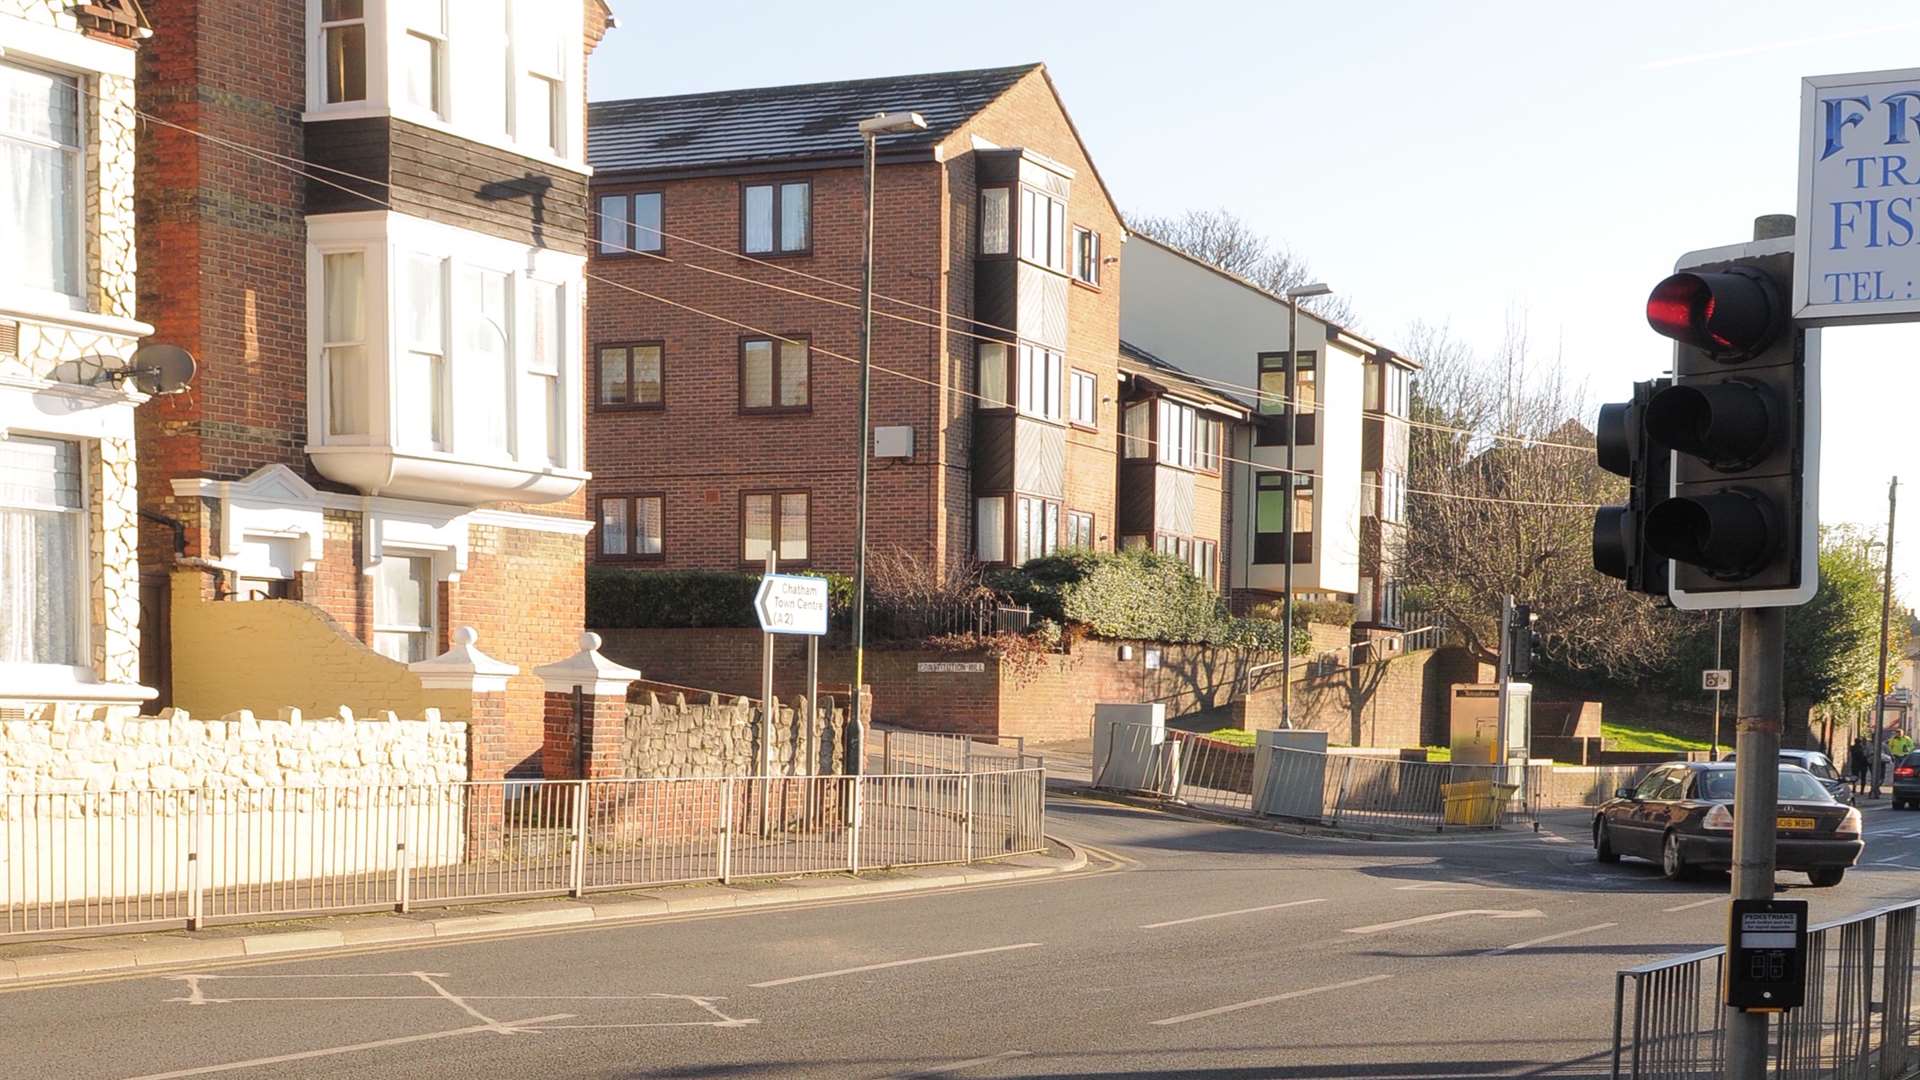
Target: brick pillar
(467,684)
(585,742)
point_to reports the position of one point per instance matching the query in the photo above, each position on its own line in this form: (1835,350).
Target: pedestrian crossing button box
(1766,967)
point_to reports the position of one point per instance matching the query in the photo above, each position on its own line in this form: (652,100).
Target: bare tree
(1221,238)
(1502,488)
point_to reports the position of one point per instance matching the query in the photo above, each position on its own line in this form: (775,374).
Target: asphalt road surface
(1186,950)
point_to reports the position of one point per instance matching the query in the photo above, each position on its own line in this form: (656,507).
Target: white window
(776,212)
(344,341)
(44,174)
(1134,436)
(774,522)
(542,89)
(990,528)
(423,52)
(993,220)
(343,48)
(484,388)
(43,562)
(1079,529)
(1398,398)
(421,378)
(1036,529)
(403,607)
(1086,256)
(543,421)
(1043,229)
(1085,399)
(1209,435)
(1040,382)
(1176,434)
(1372,496)
(993,374)
(1393,496)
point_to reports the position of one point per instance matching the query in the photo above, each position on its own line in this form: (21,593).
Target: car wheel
(1603,844)
(1672,863)
(1826,879)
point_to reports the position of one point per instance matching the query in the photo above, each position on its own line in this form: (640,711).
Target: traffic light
(1741,417)
(1522,640)
(1619,532)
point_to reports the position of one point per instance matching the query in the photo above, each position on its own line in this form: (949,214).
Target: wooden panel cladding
(993,451)
(428,173)
(1133,500)
(1173,502)
(993,297)
(1039,457)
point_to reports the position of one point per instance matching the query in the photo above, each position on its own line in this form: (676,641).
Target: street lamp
(1292,397)
(884,123)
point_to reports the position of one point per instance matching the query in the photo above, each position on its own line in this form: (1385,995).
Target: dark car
(1681,816)
(1906,782)
(1821,766)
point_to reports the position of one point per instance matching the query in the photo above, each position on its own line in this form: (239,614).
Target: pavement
(1184,949)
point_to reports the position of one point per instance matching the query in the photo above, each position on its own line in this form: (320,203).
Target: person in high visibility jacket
(1900,745)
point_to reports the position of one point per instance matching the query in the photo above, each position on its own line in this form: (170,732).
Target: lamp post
(1292,397)
(884,123)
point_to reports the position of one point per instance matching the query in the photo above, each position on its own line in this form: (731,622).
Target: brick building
(69,605)
(724,331)
(386,425)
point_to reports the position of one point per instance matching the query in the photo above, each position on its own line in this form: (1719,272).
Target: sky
(1460,164)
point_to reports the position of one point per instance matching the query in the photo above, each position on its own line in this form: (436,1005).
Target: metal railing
(88,860)
(898,750)
(1857,1022)
(1206,772)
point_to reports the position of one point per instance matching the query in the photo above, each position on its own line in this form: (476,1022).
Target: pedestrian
(1900,745)
(1858,758)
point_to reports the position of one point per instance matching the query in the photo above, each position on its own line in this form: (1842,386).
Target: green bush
(1330,612)
(1135,594)
(619,599)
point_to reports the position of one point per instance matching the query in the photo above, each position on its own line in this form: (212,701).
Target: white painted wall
(1216,327)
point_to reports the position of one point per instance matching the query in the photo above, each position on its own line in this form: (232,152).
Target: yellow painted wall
(263,654)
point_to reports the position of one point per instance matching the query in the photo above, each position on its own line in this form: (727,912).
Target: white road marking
(1456,886)
(1237,1006)
(354,1048)
(1530,942)
(1696,903)
(1237,911)
(1491,913)
(891,964)
(1888,862)
(462,1005)
(960,1065)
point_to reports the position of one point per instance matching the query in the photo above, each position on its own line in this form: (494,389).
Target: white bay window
(41,187)
(43,561)
(444,362)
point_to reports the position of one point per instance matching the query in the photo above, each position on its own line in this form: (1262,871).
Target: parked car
(1823,770)
(1681,816)
(1906,782)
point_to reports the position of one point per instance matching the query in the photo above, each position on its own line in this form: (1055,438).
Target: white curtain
(41,575)
(39,184)
(483,377)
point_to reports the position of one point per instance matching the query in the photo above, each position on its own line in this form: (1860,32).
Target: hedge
(620,599)
(1136,594)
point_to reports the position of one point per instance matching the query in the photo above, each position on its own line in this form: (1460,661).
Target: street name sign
(1856,248)
(964,667)
(1716,679)
(792,604)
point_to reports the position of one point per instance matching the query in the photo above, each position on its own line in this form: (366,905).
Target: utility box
(1290,774)
(1129,742)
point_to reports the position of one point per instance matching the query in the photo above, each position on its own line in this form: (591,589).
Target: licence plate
(1797,823)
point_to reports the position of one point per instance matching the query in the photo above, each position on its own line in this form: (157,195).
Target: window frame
(430,589)
(630,236)
(1075,376)
(775,342)
(1051,512)
(627,348)
(318,99)
(1008,368)
(979,555)
(632,502)
(369,340)
(83,178)
(79,519)
(980,225)
(442,80)
(1089,260)
(1053,390)
(778,186)
(1070,522)
(773,521)
(1209,443)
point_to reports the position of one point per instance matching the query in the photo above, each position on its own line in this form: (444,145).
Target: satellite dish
(161,369)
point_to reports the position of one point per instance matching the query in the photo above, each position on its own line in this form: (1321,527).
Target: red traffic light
(1732,315)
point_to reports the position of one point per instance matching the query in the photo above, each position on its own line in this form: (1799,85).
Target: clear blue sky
(1450,162)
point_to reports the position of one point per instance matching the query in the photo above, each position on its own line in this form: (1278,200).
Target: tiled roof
(1132,355)
(778,123)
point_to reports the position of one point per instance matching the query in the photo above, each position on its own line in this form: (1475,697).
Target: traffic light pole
(1759,716)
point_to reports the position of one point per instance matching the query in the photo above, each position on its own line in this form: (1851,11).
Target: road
(1187,949)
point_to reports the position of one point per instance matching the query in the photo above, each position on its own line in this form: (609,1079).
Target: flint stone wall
(668,736)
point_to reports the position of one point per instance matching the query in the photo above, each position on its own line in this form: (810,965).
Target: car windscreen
(1795,786)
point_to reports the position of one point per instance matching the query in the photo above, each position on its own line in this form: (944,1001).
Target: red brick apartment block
(377,255)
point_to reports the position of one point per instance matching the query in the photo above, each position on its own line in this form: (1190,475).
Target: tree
(1502,484)
(1221,238)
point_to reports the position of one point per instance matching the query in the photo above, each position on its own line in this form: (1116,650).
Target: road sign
(1858,251)
(1716,679)
(792,604)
